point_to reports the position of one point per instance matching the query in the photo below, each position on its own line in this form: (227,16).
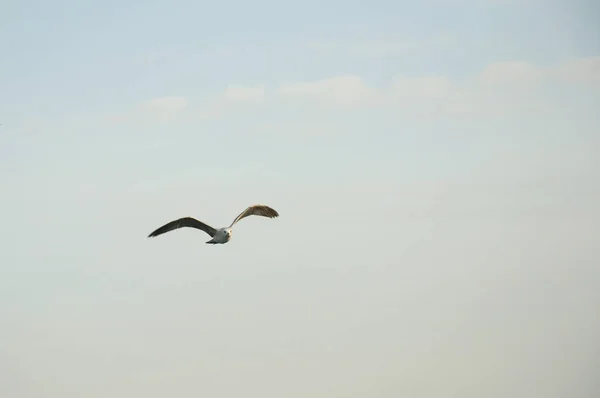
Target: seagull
(218,235)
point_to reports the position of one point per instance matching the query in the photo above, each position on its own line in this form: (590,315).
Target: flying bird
(218,235)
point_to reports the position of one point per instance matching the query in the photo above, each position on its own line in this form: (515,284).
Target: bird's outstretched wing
(256,210)
(184,222)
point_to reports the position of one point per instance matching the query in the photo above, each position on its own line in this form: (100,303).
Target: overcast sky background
(435,166)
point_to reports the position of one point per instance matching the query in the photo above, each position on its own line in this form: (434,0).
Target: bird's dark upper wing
(256,210)
(184,222)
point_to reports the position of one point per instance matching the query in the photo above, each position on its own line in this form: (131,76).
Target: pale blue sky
(434,164)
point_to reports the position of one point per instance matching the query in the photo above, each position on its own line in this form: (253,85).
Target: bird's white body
(223,235)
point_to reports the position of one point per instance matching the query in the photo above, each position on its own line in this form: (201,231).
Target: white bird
(218,235)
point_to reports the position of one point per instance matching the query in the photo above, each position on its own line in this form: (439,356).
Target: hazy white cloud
(299,129)
(519,86)
(164,107)
(514,73)
(171,108)
(498,89)
(235,94)
(233,98)
(345,90)
(423,88)
(161,109)
(518,73)
(580,71)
